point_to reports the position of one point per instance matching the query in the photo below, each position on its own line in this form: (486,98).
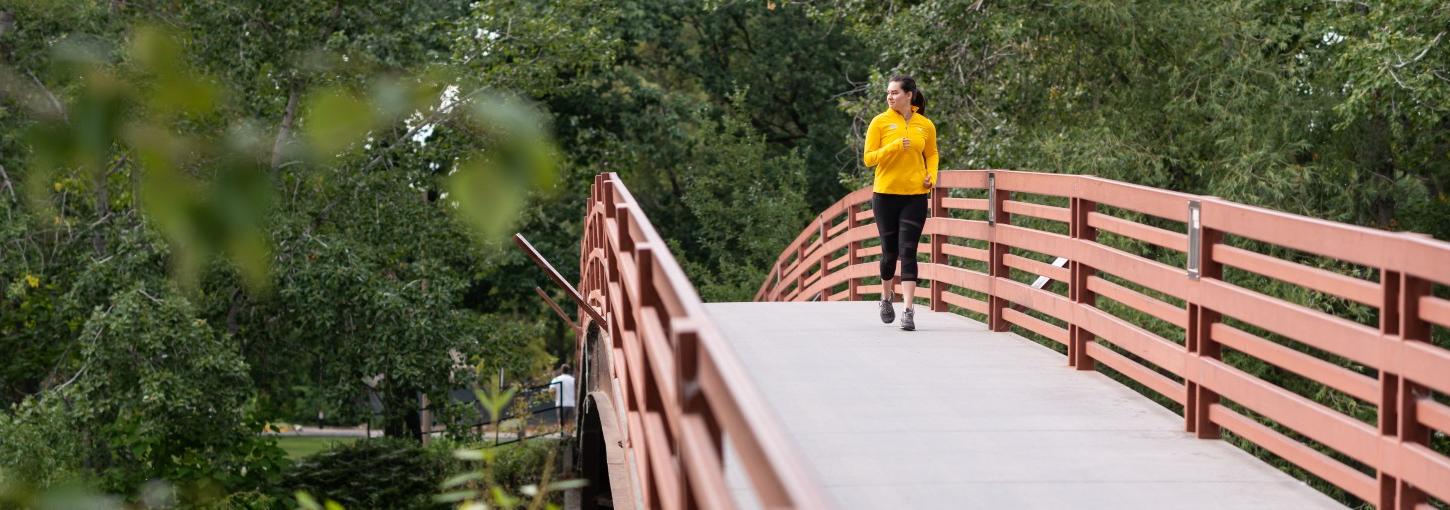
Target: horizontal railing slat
(1137,372)
(1313,278)
(1146,233)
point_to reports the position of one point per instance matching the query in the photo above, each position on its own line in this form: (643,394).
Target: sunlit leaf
(462,479)
(306,501)
(568,484)
(468,454)
(455,496)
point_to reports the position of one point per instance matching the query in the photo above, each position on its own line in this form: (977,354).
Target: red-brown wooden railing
(1402,368)
(676,388)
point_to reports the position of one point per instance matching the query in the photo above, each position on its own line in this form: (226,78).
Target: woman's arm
(874,150)
(929,151)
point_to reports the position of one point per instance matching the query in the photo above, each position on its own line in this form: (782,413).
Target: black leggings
(899,219)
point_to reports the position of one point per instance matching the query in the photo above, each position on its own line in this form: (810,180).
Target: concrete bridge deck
(955,416)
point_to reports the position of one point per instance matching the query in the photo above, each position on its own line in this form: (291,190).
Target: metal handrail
(1408,367)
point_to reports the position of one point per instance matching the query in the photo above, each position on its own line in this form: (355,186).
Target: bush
(376,473)
(522,463)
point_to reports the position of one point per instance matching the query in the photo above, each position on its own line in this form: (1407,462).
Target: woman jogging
(901,144)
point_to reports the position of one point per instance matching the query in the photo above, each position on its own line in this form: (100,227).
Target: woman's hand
(926,182)
(905,143)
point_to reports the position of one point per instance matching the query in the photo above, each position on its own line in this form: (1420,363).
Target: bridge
(1081,343)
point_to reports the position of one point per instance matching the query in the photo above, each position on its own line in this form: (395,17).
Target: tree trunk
(403,417)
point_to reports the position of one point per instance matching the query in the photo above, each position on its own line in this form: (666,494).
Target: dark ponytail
(908,84)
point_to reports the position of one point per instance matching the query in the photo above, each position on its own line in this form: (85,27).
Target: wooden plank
(1148,273)
(965,252)
(1426,469)
(956,276)
(1057,245)
(1323,372)
(1349,243)
(1045,212)
(1053,305)
(1036,325)
(1060,274)
(1149,234)
(1138,301)
(975,305)
(1433,414)
(702,465)
(1332,471)
(964,204)
(1435,310)
(1350,288)
(661,463)
(1143,344)
(953,227)
(1060,185)
(973,179)
(1153,202)
(1316,329)
(1425,364)
(1312,419)
(1137,372)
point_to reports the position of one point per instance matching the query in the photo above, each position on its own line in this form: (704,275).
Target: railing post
(937,257)
(1400,317)
(626,246)
(996,266)
(853,291)
(825,293)
(774,293)
(1198,339)
(800,262)
(692,403)
(1078,337)
(649,403)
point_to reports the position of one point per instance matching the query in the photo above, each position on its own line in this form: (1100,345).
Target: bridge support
(603,461)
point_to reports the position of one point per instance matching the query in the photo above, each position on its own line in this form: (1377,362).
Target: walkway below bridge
(955,416)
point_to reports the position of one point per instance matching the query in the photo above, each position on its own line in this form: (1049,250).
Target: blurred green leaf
(457,480)
(335,119)
(178,87)
(468,454)
(306,501)
(490,188)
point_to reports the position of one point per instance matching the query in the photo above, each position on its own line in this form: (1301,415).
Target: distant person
(563,388)
(901,145)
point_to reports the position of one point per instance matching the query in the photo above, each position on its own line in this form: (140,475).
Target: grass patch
(301,446)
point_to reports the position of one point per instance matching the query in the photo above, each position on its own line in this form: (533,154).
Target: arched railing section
(676,389)
(1182,314)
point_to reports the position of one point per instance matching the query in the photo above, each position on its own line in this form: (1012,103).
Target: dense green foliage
(214,214)
(378,473)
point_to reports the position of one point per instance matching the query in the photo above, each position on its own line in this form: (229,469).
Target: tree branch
(285,131)
(5,179)
(53,101)
(1417,58)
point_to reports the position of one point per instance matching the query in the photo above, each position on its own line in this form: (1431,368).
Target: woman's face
(897,99)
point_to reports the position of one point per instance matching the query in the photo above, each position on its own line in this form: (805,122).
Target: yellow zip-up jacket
(898,171)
